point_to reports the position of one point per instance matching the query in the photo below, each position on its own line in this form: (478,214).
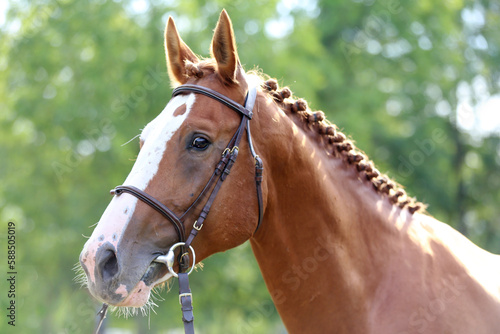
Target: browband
(243,110)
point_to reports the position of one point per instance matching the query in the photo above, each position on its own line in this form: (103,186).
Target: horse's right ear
(177,52)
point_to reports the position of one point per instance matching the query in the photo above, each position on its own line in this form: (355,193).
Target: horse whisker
(130,140)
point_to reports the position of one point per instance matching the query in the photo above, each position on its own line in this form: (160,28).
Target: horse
(342,248)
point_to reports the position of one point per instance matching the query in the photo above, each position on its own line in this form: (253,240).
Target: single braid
(341,146)
(285,93)
(270,85)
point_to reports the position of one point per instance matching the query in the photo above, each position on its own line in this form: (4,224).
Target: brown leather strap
(233,154)
(186,301)
(259,171)
(155,204)
(246,111)
(214,95)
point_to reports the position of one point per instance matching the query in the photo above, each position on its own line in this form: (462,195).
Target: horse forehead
(177,106)
(156,136)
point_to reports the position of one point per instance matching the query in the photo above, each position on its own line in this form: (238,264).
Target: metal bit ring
(169,258)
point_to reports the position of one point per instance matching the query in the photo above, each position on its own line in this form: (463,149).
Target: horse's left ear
(224,49)
(177,54)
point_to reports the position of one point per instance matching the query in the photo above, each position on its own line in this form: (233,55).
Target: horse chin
(139,296)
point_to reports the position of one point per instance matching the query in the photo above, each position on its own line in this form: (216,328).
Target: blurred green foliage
(81,78)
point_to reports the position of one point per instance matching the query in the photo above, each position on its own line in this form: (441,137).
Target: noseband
(220,173)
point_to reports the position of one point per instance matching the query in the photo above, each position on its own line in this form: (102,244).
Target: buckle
(188,294)
(196,227)
(183,255)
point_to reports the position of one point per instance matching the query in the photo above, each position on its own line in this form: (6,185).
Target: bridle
(222,169)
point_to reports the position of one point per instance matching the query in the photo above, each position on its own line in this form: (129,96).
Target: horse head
(179,150)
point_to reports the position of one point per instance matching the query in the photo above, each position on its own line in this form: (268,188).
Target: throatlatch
(222,170)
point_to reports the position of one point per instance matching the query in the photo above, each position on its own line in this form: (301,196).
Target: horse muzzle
(122,280)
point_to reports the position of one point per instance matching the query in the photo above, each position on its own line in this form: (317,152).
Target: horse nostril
(109,265)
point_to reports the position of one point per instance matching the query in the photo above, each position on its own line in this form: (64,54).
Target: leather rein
(214,184)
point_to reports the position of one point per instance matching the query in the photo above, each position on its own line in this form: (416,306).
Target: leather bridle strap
(259,166)
(155,204)
(247,113)
(243,110)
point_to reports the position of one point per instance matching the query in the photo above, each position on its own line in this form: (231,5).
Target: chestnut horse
(341,247)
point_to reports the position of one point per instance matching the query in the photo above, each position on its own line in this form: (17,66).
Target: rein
(222,170)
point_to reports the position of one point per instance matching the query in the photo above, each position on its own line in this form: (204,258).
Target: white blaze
(156,136)
(121,208)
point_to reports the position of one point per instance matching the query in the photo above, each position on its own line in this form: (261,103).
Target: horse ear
(177,53)
(224,49)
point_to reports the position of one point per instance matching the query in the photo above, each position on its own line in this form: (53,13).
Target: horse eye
(200,143)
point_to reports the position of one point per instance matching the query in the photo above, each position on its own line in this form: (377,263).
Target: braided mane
(342,147)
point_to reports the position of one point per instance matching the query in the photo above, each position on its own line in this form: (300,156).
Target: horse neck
(321,224)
